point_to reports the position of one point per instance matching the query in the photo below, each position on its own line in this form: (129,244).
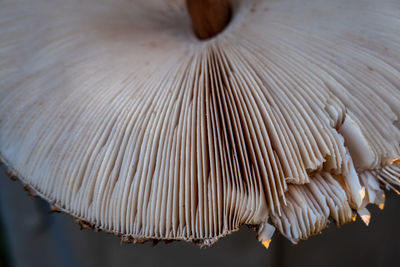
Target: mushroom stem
(209,17)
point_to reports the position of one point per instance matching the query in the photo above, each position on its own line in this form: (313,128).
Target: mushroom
(183,120)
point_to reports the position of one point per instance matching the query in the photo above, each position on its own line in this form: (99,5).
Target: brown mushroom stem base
(209,17)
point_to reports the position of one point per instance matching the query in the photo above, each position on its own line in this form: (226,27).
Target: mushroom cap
(115,113)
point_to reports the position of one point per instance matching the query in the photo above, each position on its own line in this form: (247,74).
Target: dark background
(31,236)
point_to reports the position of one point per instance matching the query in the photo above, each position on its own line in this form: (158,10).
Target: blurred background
(31,236)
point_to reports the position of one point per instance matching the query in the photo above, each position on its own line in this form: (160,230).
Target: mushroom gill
(116,113)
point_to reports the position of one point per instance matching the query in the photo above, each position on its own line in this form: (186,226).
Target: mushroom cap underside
(117,114)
